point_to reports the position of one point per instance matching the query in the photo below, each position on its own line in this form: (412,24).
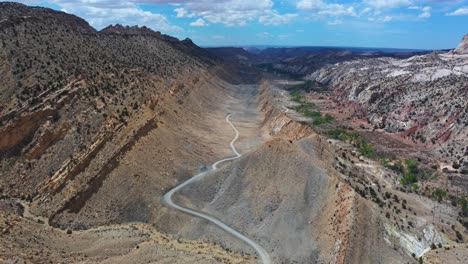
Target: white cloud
(234,12)
(338,10)
(181,12)
(388,4)
(325,9)
(426,12)
(365,11)
(199,23)
(463,11)
(273,18)
(101,13)
(310,4)
(384,19)
(101,17)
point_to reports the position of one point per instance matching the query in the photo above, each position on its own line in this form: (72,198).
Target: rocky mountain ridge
(67,89)
(422,98)
(301,61)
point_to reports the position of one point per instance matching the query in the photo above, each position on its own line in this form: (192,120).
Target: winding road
(167,200)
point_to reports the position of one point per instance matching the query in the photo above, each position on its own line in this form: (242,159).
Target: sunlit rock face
(463,47)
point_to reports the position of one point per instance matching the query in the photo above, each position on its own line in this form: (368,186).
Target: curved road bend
(167,199)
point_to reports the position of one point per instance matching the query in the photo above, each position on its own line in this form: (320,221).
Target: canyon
(109,142)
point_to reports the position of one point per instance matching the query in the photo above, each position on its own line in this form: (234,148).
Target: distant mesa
(463,46)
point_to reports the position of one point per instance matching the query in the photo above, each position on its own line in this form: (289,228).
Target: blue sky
(419,24)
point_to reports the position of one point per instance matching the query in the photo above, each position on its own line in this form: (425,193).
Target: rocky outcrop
(463,46)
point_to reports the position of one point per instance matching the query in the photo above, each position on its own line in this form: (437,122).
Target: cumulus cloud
(101,13)
(365,11)
(228,12)
(463,11)
(388,4)
(199,23)
(426,12)
(326,9)
(234,12)
(273,18)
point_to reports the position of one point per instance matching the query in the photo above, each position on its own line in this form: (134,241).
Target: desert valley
(126,145)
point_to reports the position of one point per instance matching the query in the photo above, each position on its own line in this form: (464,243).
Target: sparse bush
(366,150)
(439,194)
(409,179)
(464,206)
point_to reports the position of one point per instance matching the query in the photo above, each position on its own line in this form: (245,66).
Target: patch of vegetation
(321,120)
(464,206)
(397,167)
(307,109)
(409,179)
(410,169)
(413,166)
(439,194)
(297,96)
(343,135)
(313,114)
(364,148)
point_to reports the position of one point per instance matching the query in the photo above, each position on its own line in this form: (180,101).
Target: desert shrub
(412,166)
(366,150)
(464,206)
(439,194)
(409,179)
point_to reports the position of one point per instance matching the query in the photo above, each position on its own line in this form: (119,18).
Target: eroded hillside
(68,90)
(422,99)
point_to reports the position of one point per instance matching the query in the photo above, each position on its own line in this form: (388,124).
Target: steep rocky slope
(67,90)
(463,47)
(423,98)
